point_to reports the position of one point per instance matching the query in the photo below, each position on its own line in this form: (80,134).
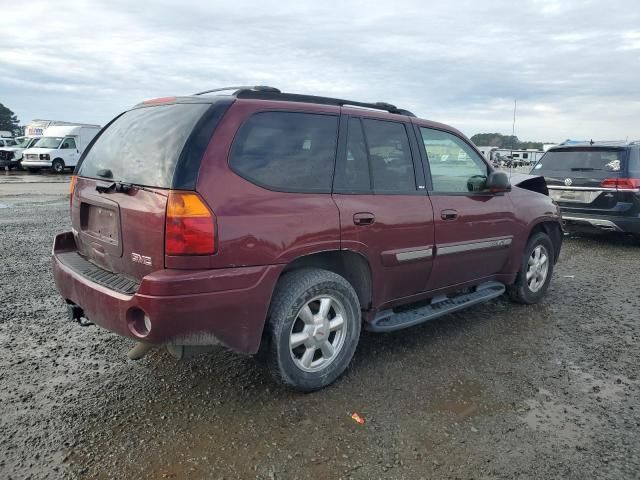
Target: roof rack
(257,88)
(262,92)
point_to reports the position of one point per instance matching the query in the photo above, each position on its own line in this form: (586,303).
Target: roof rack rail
(263,92)
(276,94)
(256,88)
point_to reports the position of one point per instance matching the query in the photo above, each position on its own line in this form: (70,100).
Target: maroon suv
(283,224)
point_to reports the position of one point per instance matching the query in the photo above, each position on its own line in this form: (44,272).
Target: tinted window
(389,156)
(634,163)
(143,145)
(581,162)
(353,170)
(287,151)
(455,166)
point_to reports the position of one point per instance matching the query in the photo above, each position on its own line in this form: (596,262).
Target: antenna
(513,135)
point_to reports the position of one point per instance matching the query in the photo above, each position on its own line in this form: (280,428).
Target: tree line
(504,141)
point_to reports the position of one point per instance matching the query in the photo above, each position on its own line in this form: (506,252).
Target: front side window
(287,151)
(455,166)
(68,143)
(390,157)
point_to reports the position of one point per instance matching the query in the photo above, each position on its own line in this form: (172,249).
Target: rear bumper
(603,222)
(186,307)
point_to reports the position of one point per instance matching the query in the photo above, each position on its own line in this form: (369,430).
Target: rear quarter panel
(257,226)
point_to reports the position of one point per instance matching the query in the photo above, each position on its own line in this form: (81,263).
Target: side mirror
(498,182)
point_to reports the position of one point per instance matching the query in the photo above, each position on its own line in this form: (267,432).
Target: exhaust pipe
(76,314)
(139,350)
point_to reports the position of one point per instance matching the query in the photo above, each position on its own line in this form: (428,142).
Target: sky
(572,65)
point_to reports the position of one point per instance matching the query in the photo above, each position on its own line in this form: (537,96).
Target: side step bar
(388,321)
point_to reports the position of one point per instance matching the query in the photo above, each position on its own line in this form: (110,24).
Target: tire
(529,291)
(307,366)
(58,165)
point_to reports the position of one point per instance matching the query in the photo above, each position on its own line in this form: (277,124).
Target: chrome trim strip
(595,222)
(592,189)
(414,255)
(477,245)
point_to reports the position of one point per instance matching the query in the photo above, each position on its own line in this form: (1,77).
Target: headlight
(44,156)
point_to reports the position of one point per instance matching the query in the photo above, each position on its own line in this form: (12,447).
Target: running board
(388,321)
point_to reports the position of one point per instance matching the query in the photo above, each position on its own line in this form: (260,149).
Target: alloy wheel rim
(318,333)
(537,268)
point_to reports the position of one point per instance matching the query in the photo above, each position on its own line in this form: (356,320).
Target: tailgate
(122,232)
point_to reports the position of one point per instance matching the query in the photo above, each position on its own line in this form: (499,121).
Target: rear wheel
(535,272)
(313,329)
(58,165)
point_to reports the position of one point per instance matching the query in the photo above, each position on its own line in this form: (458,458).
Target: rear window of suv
(143,145)
(287,151)
(582,162)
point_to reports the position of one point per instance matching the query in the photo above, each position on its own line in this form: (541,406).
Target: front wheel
(535,272)
(57,166)
(313,329)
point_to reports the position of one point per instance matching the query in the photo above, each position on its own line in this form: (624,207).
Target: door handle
(364,218)
(449,214)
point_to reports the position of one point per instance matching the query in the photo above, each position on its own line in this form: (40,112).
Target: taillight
(190,225)
(621,183)
(72,188)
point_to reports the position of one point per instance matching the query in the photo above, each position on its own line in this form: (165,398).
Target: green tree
(8,120)
(503,141)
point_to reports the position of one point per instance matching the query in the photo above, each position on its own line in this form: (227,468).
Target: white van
(59,147)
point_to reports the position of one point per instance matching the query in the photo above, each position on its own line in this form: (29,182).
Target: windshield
(22,142)
(48,142)
(143,145)
(581,162)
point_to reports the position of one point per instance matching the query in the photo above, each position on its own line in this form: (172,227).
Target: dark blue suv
(596,184)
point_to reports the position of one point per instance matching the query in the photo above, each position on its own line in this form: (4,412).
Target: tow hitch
(76,314)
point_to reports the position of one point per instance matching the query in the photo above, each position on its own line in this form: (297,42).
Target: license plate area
(575,196)
(100,223)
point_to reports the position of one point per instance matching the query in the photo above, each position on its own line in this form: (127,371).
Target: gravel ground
(497,391)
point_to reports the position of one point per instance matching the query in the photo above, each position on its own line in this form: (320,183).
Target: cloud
(572,65)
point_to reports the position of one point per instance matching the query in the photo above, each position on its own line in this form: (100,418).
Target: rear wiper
(120,187)
(124,187)
(584,169)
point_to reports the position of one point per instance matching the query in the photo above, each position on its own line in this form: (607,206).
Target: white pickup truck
(59,147)
(11,156)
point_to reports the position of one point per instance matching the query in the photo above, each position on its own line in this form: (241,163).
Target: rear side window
(389,157)
(634,163)
(143,145)
(287,151)
(596,163)
(352,173)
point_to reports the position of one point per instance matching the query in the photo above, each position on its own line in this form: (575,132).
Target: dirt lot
(498,391)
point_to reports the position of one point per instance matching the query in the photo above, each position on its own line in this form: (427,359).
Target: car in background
(281,225)
(11,157)
(59,148)
(596,184)
(7,142)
